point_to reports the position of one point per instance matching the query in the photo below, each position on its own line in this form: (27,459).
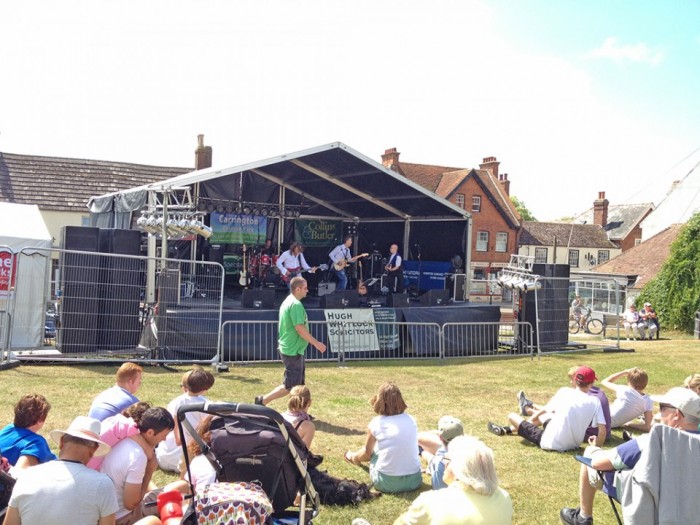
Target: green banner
(230,228)
(318,232)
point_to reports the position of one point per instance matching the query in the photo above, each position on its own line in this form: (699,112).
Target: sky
(572,97)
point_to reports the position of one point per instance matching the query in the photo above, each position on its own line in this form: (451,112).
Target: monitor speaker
(435,298)
(259,299)
(398,300)
(341,299)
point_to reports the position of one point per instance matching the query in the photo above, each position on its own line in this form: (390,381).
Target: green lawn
(475,390)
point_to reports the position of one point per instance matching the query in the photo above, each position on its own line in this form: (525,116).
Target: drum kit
(263,268)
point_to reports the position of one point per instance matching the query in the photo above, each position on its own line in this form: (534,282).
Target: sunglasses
(663,406)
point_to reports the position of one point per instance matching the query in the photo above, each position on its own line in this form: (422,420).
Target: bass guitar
(292,272)
(342,263)
(244,279)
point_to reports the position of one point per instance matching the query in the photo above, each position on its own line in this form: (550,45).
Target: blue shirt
(18,441)
(436,469)
(111,402)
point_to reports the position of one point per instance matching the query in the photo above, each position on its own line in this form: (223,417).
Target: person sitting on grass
(472,496)
(195,384)
(122,395)
(527,407)
(20,442)
(630,401)
(565,418)
(680,408)
(392,444)
(693,383)
(297,413)
(433,448)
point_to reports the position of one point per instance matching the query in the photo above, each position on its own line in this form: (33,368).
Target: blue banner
(432,274)
(231,228)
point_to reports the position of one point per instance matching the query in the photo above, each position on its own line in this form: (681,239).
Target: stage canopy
(326,182)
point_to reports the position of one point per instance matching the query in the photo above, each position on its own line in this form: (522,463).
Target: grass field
(475,390)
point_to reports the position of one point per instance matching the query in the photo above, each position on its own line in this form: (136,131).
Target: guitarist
(394,270)
(292,263)
(341,257)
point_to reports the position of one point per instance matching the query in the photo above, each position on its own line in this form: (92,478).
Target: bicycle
(588,323)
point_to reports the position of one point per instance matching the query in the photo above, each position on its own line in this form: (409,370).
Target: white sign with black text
(352,330)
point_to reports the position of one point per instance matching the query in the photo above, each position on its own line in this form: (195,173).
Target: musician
(341,255)
(267,249)
(394,270)
(292,263)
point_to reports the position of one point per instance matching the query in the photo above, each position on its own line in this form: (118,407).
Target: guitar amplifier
(325,288)
(456,283)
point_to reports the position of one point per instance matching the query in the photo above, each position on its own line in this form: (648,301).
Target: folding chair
(601,474)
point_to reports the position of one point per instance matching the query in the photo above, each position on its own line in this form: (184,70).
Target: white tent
(25,260)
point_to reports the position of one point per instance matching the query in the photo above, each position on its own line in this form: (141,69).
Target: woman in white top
(392,444)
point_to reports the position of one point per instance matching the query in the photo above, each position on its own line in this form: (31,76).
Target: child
(122,426)
(630,402)
(298,413)
(433,447)
(195,383)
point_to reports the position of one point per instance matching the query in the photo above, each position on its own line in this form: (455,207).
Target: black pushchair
(252,443)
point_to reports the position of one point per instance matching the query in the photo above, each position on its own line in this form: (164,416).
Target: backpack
(229,503)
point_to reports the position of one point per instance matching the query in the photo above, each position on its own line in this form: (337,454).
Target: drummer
(292,263)
(267,249)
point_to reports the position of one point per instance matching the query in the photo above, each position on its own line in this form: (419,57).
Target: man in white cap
(679,408)
(66,491)
(648,320)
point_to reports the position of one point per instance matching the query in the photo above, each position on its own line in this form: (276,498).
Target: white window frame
(476,203)
(459,200)
(574,258)
(539,252)
(482,241)
(603,256)
(501,241)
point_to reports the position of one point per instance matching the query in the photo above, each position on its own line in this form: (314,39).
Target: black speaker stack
(263,298)
(553,306)
(341,299)
(99,295)
(435,298)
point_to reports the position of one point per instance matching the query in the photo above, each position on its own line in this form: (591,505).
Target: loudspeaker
(121,289)
(326,288)
(398,300)
(168,288)
(435,298)
(80,290)
(553,306)
(264,298)
(341,299)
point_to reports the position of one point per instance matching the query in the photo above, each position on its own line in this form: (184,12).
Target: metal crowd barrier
(256,341)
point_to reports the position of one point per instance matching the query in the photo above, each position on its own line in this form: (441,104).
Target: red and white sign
(7,271)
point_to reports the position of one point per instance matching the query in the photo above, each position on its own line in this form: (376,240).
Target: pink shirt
(114,429)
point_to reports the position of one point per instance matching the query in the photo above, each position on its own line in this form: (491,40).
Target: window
(479,274)
(573,258)
(637,242)
(482,241)
(459,200)
(541,255)
(476,203)
(85,220)
(603,256)
(502,241)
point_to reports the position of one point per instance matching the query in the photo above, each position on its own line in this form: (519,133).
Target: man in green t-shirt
(293,337)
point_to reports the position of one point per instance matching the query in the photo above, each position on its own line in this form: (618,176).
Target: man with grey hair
(472,495)
(679,408)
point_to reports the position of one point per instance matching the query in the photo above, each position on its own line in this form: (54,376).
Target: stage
(407,326)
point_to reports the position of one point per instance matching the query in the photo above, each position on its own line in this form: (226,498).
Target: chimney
(202,155)
(505,183)
(491,164)
(600,210)
(390,160)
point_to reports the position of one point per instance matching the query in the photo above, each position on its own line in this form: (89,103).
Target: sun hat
(83,427)
(684,399)
(449,428)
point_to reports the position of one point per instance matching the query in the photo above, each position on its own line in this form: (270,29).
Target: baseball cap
(83,427)
(684,399)
(585,374)
(449,428)
(647,304)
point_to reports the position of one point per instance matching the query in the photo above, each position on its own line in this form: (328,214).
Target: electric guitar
(243,281)
(361,287)
(292,272)
(342,263)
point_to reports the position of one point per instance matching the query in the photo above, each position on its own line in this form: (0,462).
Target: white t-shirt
(573,412)
(202,471)
(125,463)
(63,493)
(628,405)
(169,452)
(397,444)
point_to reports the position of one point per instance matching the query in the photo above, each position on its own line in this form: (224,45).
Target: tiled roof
(566,234)
(426,175)
(62,184)
(644,260)
(622,218)
(496,189)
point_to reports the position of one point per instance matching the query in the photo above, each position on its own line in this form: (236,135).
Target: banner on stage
(432,274)
(232,228)
(352,330)
(318,233)
(387,330)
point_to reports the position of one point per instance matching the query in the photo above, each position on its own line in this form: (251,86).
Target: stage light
(220,209)
(210,207)
(297,213)
(229,209)
(273,212)
(256,211)
(246,210)
(264,212)
(202,206)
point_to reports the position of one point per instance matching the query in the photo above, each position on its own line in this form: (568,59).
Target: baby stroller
(252,443)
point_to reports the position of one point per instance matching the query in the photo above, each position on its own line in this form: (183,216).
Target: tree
(525,214)
(675,291)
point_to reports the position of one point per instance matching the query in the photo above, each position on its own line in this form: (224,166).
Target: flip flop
(347,458)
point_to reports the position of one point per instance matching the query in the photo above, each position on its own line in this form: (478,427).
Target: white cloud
(618,52)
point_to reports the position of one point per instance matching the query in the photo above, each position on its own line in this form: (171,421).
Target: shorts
(294,370)
(140,510)
(606,484)
(530,432)
(393,484)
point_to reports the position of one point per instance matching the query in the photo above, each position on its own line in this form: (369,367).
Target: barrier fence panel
(105,304)
(487,339)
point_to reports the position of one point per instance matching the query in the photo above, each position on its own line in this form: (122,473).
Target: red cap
(585,374)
